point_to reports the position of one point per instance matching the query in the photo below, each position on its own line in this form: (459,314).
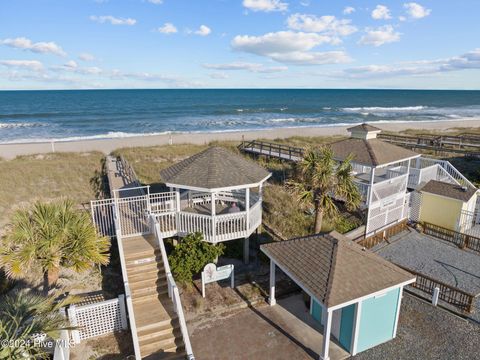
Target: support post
(246,250)
(327,328)
(399,303)
(271,299)
(369,200)
(123,311)
(436,294)
(72,318)
(214,219)
(247,209)
(177,197)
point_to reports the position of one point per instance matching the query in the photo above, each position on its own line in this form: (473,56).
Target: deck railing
(272,149)
(173,292)
(462,240)
(450,294)
(425,169)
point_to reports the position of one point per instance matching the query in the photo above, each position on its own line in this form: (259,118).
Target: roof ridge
(371,152)
(331,271)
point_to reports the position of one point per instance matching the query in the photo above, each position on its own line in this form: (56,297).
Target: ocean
(35,116)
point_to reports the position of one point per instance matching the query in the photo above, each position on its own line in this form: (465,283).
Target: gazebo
(354,293)
(218,193)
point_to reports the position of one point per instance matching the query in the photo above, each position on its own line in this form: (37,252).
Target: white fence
(62,346)
(426,169)
(98,318)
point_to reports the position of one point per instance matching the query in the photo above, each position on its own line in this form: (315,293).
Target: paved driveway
(284,331)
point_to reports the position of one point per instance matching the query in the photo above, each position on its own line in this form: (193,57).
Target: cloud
(348,10)
(290,47)
(86,57)
(252,67)
(203,30)
(73,67)
(327,24)
(167,28)
(379,36)
(33,65)
(113,20)
(381,12)
(416,11)
(155,2)
(265,5)
(219,76)
(39,47)
(469,60)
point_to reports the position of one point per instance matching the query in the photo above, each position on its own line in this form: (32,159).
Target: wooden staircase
(158,328)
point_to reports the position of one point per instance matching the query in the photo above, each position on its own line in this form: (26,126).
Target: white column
(399,303)
(271,299)
(247,208)
(327,328)
(214,219)
(177,196)
(370,196)
(356,328)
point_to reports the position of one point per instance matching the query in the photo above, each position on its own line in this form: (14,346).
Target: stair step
(150,273)
(161,338)
(133,269)
(149,290)
(160,329)
(142,260)
(157,281)
(144,253)
(166,346)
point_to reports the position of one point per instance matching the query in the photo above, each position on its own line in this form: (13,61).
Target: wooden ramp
(158,328)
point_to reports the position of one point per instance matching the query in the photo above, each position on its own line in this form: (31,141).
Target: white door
(336,318)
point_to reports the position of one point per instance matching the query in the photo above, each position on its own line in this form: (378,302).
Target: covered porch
(354,294)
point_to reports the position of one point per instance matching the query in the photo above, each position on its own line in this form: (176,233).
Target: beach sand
(10,151)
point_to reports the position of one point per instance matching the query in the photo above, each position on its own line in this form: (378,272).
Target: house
(354,293)
(442,202)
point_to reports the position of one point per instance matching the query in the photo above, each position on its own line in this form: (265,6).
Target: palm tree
(26,318)
(51,236)
(320,178)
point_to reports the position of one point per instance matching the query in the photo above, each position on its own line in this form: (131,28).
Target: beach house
(354,293)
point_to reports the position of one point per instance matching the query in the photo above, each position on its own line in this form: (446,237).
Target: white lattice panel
(415,202)
(98,319)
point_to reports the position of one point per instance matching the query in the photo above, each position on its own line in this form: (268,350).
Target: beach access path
(10,151)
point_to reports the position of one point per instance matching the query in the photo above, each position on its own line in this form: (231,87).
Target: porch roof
(371,152)
(214,168)
(452,191)
(334,269)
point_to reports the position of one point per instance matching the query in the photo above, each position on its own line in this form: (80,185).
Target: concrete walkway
(285,331)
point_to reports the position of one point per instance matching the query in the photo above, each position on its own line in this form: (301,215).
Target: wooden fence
(463,241)
(271,149)
(450,294)
(383,235)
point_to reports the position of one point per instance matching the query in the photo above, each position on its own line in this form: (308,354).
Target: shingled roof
(364,127)
(214,168)
(334,269)
(452,191)
(372,152)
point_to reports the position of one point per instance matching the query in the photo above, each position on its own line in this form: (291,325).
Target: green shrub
(191,255)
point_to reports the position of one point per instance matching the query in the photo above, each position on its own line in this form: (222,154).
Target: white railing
(230,226)
(188,222)
(103,213)
(128,293)
(163,202)
(255,219)
(425,169)
(173,292)
(363,189)
(469,223)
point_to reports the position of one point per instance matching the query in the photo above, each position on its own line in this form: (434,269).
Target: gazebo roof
(333,268)
(214,168)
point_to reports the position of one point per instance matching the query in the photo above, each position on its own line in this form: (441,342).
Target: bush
(191,255)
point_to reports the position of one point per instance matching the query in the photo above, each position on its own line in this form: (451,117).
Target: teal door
(346,327)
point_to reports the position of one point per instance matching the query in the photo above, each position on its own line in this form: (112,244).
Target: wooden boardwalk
(158,328)
(122,180)
(273,150)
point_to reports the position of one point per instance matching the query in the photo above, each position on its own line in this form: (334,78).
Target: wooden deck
(121,176)
(157,324)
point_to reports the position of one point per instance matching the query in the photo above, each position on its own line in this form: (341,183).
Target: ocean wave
(20,125)
(384,109)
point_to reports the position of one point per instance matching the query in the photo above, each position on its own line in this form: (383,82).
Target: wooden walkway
(269,149)
(158,328)
(121,176)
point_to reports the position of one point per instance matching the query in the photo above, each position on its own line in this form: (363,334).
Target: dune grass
(26,179)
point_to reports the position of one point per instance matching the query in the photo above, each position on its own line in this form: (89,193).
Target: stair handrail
(173,292)
(128,293)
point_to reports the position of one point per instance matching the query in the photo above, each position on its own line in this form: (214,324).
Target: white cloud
(33,65)
(348,10)
(39,47)
(381,12)
(469,60)
(167,28)
(402,18)
(327,24)
(203,30)
(290,47)
(86,57)
(220,76)
(73,67)
(379,36)
(252,67)
(416,11)
(155,2)
(265,5)
(113,20)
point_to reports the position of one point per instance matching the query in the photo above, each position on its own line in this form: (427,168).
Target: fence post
(436,294)
(123,311)
(72,318)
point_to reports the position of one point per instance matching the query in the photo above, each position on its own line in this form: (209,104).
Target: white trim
(447,197)
(326,335)
(356,328)
(399,303)
(236,187)
(373,294)
(271,297)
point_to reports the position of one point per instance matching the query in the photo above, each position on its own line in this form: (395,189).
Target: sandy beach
(10,151)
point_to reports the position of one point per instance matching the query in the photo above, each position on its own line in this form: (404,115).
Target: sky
(83,44)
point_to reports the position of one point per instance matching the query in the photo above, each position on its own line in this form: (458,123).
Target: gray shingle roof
(449,190)
(333,268)
(364,127)
(213,168)
(371,152)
